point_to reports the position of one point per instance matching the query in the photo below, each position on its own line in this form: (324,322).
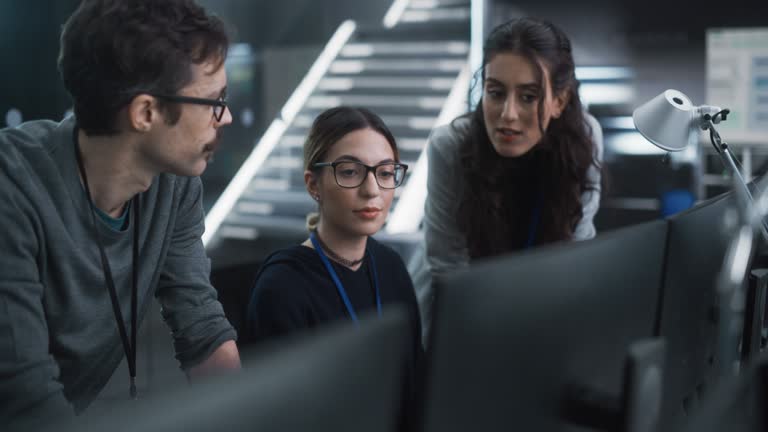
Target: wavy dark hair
(332,125)
(501,194)
(113,50)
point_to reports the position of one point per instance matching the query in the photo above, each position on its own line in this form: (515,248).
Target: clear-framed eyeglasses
(351,174)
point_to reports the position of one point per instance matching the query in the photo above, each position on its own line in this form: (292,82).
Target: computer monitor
(518,339)
(737,78)
(689,309)
(344,378)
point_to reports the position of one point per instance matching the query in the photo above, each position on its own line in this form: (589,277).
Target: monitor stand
(637,408)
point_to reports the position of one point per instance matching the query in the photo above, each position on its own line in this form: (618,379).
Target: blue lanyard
(535,216)
(337,281)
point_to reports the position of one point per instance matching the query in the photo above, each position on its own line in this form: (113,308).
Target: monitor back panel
(339,378)
(513,334)
(688,313)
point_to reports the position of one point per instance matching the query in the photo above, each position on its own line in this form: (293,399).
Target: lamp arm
(753,215)
(730,162)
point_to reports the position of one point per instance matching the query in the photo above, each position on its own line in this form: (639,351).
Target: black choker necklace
(334,256)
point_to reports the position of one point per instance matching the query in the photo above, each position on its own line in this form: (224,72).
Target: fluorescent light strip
(235,188)
(410,207)
(622,122)
(586,73)
(395,12)
(630,143)
(271,137)
(318,69)
(606,93)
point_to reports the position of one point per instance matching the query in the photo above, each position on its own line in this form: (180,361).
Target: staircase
(412,71)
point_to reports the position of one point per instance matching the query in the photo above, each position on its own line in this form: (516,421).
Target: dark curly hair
(500,194)
(113,50)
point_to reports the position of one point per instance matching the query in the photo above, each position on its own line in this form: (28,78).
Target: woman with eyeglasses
(522,169)
(340,272)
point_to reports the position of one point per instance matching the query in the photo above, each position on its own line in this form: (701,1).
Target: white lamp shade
(667,120)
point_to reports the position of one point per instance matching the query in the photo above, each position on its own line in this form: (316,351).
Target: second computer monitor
(516,337)
(689,314)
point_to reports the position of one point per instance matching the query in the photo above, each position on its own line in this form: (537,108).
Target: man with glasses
(103,211)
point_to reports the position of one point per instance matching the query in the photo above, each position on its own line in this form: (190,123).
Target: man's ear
(142,111)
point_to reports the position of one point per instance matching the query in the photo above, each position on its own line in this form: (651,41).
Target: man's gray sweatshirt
(59,342)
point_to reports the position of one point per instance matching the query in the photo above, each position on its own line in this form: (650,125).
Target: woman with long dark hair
(520,170)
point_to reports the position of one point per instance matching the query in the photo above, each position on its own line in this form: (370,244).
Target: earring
(316,197)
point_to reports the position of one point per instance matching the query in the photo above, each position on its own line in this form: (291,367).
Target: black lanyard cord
(129,347)
(135,202)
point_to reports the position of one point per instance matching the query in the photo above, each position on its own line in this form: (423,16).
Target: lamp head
(670,121)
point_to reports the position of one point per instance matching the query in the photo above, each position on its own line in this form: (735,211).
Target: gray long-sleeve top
(446,246)
(59,342)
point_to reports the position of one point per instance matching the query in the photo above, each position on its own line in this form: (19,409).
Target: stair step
(382,111)
(454,48)
(432,15)
(404,74)
(248,227)
(357,66)
(373,101)
(432,4)
(296,142)
(410,84)
(414,32)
